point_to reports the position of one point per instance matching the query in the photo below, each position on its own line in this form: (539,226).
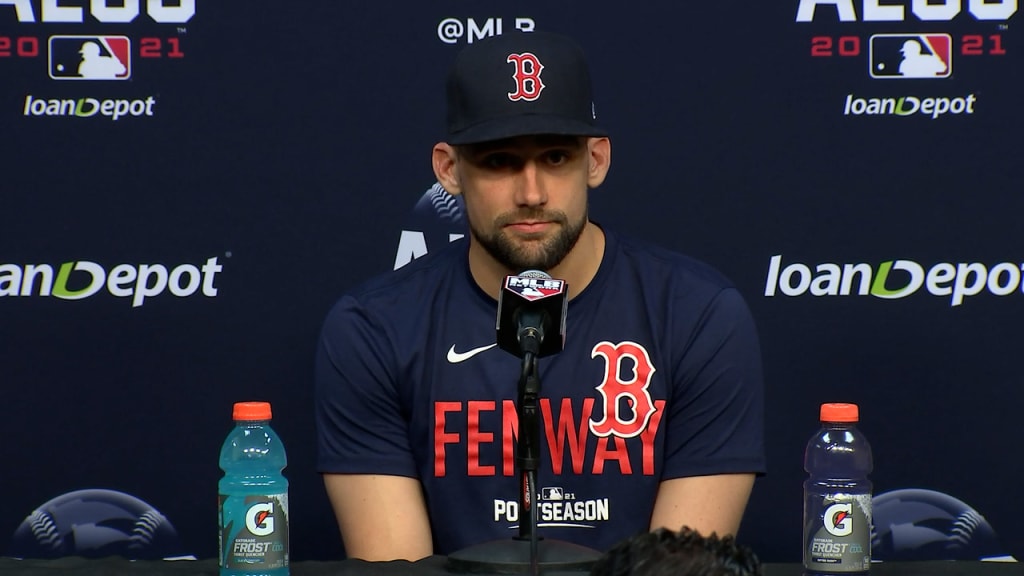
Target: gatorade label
(837,529)
(254,531)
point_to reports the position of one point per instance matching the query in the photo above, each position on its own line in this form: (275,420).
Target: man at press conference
(652,413)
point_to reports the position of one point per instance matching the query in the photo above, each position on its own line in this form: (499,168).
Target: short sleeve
(716,412)
(360,424)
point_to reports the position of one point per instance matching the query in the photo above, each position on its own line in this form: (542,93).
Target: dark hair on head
(684,553)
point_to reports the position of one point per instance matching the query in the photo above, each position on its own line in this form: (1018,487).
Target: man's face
(526,198)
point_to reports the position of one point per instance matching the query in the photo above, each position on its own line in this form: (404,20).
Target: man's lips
(529,227)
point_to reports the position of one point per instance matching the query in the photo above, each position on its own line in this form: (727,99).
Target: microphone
(531,314)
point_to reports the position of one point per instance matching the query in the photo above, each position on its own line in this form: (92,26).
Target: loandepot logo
(893,279)
(909,106)
(88,107)
(81,279)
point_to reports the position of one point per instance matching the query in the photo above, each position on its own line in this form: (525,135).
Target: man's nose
(531,190)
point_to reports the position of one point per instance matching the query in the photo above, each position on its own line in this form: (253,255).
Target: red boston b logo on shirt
(614,389)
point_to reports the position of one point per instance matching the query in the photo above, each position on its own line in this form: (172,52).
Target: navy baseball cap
(520,84)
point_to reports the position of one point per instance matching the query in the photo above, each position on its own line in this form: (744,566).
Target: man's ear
(444,160)
(599,160)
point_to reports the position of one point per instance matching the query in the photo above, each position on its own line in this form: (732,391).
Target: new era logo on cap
(90,58)
(520,84)
(911,56)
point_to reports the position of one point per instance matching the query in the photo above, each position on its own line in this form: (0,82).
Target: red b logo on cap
(527,77)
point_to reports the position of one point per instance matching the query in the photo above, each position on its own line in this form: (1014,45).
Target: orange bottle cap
(839,412)
(251,411)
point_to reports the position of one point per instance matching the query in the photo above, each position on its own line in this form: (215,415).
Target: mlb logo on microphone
(533,289)
(902,56)
(90,57)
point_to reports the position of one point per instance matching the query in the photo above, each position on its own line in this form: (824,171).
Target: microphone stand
(526,552)
(528,456)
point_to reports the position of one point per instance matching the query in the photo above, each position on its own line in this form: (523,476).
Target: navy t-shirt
(660,378)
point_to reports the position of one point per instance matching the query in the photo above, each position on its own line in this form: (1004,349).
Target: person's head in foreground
(664,552)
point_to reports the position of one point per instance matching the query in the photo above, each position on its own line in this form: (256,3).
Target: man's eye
(497,161)
(557,157)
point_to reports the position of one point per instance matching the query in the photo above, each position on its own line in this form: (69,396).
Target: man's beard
(544,255)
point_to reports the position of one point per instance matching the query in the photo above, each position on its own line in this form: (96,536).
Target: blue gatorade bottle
(837,495)
(253,496)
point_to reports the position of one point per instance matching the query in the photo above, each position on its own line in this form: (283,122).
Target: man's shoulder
(658,263)
(411,284)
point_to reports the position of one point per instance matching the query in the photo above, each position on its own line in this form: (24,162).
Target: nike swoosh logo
(456,357)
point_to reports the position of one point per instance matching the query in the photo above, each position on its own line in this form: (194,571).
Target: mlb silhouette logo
(90,58)
(903,56)
(552,494)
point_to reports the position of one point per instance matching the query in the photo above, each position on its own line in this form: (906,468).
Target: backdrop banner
(188,185)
